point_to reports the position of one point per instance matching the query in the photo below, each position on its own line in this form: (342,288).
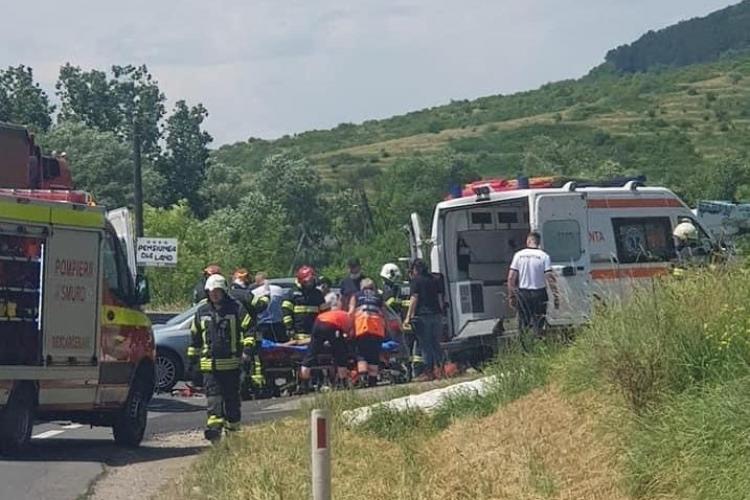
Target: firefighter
(219,334)
(303,305)
(199,291)
(396,299)
(368,310)
(256,304)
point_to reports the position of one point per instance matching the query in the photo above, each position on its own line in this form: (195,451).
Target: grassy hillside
(669,124)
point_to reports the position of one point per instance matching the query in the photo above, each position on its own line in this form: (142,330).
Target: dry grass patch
(541,446)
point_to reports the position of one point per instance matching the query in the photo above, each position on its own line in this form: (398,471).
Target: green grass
(677,361)
(695,445)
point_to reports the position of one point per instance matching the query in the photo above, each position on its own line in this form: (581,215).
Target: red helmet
(305,274)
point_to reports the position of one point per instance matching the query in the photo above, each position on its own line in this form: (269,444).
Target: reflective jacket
(395,299)
(219,334)
(368,314)
(301,308)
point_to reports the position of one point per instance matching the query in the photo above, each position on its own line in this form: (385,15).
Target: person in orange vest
(368,310)
(331,326)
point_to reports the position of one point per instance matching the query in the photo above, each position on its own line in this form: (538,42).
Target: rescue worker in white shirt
(219,334)
(528,278)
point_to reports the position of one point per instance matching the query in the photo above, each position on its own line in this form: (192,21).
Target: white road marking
(47,434)
(69,427)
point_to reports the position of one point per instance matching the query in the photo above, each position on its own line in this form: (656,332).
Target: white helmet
(216,281)
(685,231)
(390,272)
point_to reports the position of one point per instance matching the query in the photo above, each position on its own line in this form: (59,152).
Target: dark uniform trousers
(223,397)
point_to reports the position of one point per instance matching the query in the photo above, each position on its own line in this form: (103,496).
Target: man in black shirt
(425,315)
(350,285)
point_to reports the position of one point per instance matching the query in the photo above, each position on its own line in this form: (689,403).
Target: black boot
(372,381)
(212,434)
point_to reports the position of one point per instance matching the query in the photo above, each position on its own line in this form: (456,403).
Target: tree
(100,162)
(134,94)
(184,166)
(224,186)
(729,173)
(89,97)
(23,101)
(295,186)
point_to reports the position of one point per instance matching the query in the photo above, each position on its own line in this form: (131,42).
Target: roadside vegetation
(650,401)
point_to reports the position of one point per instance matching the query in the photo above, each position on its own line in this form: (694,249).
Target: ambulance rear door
(562,220)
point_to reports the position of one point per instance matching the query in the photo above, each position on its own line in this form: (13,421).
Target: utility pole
(137,179)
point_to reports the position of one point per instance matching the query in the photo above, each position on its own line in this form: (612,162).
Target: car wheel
(169,370)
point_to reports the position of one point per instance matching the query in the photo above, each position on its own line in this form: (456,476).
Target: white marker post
(321,455)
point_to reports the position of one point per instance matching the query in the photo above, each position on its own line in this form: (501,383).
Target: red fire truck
(74,343)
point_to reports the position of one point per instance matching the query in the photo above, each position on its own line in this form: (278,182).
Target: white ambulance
(603,242)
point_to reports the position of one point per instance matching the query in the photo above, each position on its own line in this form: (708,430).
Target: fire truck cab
(74,343)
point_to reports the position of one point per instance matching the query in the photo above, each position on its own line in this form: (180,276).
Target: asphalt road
(65,458)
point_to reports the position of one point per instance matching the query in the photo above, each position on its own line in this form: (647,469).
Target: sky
(265,68)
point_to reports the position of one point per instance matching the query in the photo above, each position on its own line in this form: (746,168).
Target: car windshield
(182,317)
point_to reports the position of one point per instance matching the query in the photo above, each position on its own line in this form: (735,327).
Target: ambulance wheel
(18,420)
(130,423)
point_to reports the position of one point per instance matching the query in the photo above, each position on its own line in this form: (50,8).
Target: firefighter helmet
(306,274)
(216,281)
(390,271)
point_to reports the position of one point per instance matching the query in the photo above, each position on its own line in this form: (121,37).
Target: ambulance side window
(115,268)
(643,239)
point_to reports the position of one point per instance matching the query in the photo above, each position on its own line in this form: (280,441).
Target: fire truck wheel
(130,424)
(18,420)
